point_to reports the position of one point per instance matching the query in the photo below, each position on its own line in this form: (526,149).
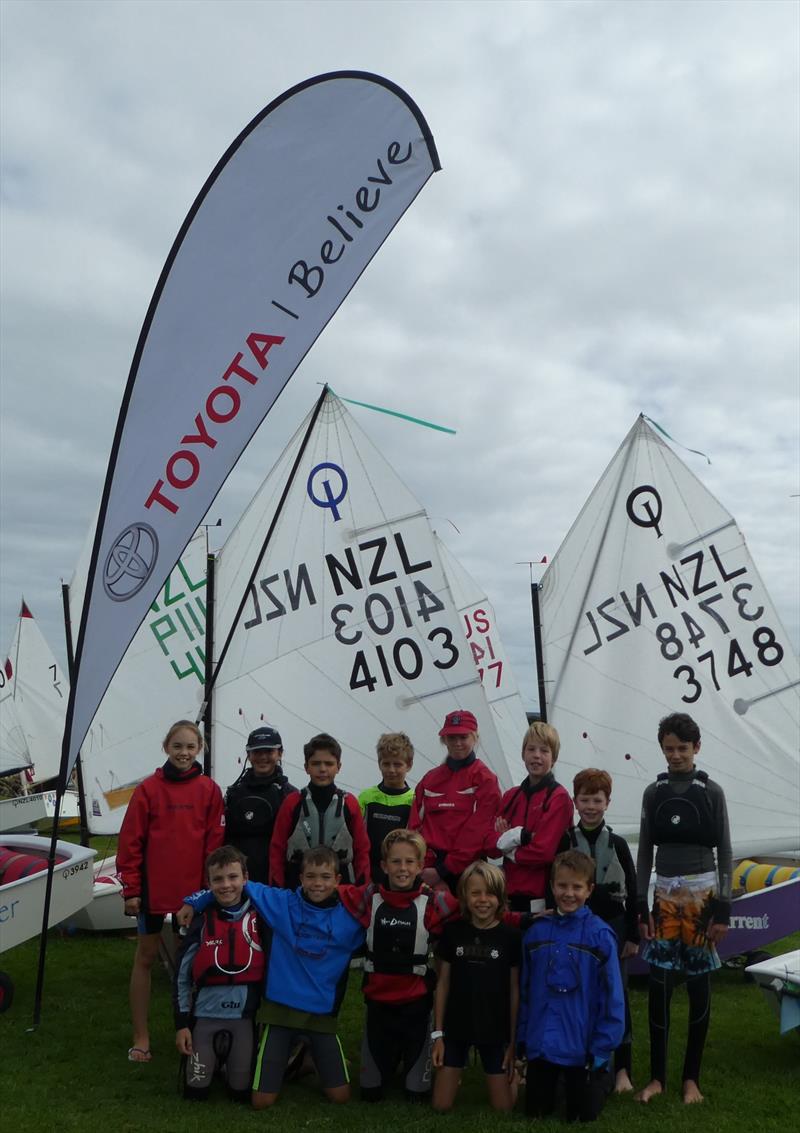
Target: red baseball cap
(458,723)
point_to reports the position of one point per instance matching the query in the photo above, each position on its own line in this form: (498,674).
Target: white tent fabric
(653,605)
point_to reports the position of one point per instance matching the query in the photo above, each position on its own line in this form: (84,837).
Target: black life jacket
(397,940)
(684,818)
(230,951)
(251,807)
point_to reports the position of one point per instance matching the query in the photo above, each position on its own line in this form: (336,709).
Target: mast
(273,524)
(84,814)
(208,693)
(537,644)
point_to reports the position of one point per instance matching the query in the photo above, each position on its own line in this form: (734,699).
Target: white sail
(33,703)
(653,605)
(14,754)
(350,627)
(479,623)
(159,680)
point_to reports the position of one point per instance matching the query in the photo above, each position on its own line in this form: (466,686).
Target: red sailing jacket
(284,873)
(547,813)
(169,829)
(454,812)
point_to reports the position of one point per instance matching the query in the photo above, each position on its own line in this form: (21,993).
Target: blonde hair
(395,744)
(411,837)
(493,878)
(190,724)
(545,734)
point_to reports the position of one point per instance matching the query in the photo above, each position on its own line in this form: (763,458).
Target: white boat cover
(653,605)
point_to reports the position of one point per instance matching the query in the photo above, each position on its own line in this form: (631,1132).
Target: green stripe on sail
(394,413)
(696,451)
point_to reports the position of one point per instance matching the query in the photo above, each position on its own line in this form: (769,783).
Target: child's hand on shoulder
(184,916)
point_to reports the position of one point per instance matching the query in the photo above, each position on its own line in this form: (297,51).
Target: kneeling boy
(572,1010)
(400,918)
(313,938)
(218,983)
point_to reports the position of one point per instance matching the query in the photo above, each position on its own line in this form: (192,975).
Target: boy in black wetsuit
(684,815)
(613,897)
(253,801)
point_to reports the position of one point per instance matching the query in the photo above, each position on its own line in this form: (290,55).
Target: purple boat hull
(757,920)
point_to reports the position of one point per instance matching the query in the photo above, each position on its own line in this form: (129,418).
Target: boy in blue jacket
(572,1009)
(313,938)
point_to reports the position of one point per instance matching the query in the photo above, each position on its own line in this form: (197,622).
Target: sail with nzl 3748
(653,605)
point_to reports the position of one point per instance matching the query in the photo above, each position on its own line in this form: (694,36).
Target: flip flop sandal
(139,1054)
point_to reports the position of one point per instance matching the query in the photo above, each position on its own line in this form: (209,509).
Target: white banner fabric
(278,236)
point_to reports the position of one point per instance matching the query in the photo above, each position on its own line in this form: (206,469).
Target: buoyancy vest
(397,939)
(313,829)
(684,817)
(608,869)
(230,951)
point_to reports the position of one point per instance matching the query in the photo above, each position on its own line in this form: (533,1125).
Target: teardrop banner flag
(279,234)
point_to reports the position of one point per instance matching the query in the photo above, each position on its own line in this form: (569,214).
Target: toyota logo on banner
(130,562)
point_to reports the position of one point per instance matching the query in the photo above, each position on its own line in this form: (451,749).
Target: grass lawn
(72,1073)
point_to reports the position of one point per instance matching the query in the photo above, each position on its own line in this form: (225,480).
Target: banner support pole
(84,814)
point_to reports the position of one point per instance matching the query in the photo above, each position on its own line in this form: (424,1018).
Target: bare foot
(691,1092)
(622,1083)
(651,1090)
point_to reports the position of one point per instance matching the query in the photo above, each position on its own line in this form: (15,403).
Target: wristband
(436,1035)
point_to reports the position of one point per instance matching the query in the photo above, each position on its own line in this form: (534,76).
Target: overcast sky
(615,230)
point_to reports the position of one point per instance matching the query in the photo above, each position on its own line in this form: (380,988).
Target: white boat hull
(779,979)
(22,901)
(24,810)
(105,912)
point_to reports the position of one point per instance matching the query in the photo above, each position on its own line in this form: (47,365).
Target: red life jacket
(230,951)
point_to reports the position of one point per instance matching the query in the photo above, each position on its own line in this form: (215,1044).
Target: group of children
(528,958)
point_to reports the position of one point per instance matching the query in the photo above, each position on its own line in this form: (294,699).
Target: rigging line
(267,537)
(609,517)
(394,413)
(696,451)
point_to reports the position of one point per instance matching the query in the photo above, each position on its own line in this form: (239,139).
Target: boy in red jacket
(533,819)
(455,804)
(173,822)
(321,814)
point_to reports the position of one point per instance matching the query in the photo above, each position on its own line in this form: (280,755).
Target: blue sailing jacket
(311,946)
(572,1010)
